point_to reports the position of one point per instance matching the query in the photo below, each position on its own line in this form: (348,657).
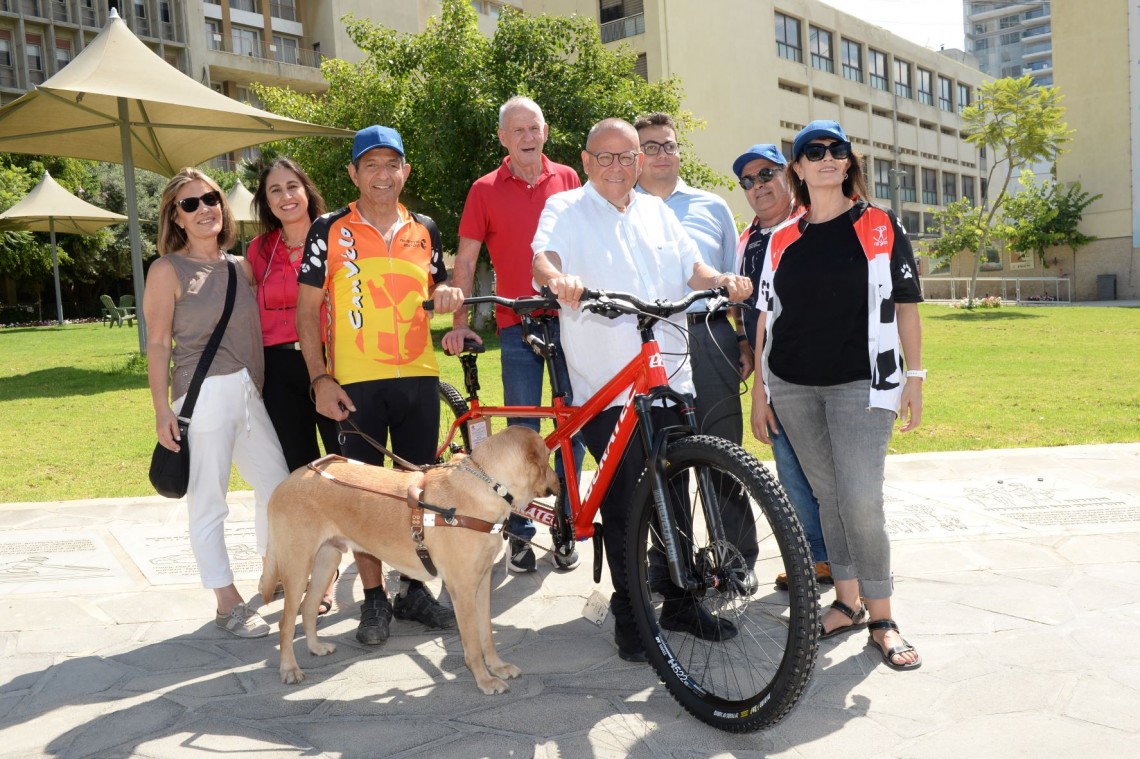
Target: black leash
(402,463)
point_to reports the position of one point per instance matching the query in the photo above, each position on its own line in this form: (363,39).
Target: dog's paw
(321,649)
(291,675)
(493,686)
(504,670)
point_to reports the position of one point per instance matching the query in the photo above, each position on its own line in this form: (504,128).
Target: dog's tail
(267,586)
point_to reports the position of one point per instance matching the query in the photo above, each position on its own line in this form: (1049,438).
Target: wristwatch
(919,373)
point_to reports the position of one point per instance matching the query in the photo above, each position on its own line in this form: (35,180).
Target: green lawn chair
(115,315)
(127,306)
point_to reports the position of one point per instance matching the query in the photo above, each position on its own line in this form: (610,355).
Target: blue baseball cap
(374,137)
(763,150)
(814,131)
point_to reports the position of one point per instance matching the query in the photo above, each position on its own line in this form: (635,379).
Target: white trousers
(229,424)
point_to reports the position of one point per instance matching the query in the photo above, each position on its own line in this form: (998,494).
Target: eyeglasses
(606,159)
(839,150)
(764,176)
(649,147)
(190,205)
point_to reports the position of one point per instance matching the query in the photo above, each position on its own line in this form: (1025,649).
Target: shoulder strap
(212,346)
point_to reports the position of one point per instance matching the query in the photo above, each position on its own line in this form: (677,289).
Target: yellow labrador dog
(315,516)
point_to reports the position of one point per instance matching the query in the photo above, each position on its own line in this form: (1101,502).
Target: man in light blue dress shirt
(720,352)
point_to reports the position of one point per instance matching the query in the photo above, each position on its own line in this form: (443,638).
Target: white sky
(931,23)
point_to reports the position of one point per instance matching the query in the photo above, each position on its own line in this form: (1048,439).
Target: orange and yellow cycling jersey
(376,327)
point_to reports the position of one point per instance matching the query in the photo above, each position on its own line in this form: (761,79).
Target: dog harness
(423,514)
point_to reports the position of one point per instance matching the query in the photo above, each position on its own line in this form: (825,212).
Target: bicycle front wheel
(451,407)
(736,657)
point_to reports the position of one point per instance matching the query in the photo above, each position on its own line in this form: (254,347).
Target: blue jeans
(795,484)
(523,370)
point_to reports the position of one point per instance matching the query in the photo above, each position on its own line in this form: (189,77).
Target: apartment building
(1011,38)
(759,70)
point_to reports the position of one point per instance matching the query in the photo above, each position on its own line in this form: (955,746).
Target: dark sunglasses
(190,205)
(764,176)
(839,150)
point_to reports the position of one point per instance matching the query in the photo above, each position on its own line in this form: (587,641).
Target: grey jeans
(842,445)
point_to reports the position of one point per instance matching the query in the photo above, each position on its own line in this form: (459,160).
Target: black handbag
(170,470)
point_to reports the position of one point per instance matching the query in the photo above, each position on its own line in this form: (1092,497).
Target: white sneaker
(243,622)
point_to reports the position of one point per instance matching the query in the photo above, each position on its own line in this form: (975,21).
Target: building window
(213,34)
(968,189)
(910,221)
(907,183)
(247,41)
(786,149)
(250,6)
(963,97)
(618,18)
(788,43)
(882,179)
(877,63)
(62,53)
(1008,22)
(285,9)
(926,87)
(641,66)
(5,48)
(902,79)
(820,43)
(982,44)
(945,87)
(949,187)
(852,61)
(287,49)
(930,187)
(34,52)
(142,21)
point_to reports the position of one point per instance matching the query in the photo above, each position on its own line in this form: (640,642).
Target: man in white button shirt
(606,236)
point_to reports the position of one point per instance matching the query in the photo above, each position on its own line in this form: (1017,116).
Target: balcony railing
(623,27)
(296,56)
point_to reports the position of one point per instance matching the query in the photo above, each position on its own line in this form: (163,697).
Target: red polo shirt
(502,211)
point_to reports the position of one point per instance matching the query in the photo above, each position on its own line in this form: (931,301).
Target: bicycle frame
(644,379)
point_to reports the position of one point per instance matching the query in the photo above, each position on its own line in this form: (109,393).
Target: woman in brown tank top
(184,299)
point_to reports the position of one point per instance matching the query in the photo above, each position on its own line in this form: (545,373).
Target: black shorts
(406,409)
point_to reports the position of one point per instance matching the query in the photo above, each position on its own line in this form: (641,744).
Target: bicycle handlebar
(608,303)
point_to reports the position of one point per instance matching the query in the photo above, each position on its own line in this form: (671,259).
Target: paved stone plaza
(1016,576)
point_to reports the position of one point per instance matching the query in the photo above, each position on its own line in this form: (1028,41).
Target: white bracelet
(918,373)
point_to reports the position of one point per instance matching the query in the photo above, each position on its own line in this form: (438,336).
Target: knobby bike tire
(750,680)
(451,407)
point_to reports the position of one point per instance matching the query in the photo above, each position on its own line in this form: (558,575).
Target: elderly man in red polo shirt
(502,211)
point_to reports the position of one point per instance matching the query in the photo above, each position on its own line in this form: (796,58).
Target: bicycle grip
(429,305)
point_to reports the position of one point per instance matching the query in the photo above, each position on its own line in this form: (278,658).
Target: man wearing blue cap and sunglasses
(372,264)
(762,173)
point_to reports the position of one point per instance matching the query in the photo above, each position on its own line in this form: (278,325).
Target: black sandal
(858,620)
(326,604)
(888,656)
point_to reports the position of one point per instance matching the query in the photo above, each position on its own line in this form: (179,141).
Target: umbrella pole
(55,272)
(133,219)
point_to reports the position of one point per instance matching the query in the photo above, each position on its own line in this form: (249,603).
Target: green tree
(1018,123)
(442,89)
(1045,216)
(956,228)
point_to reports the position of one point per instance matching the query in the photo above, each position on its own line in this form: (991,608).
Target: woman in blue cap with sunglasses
(841,361)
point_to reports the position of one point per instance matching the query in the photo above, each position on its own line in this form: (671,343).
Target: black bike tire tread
(802,645)
(454,400)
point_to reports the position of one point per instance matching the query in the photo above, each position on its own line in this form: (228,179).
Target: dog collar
(500,490)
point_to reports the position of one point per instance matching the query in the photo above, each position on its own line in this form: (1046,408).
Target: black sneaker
(628,642)
(420,605)
(522,557)
(687,616)
(375,616)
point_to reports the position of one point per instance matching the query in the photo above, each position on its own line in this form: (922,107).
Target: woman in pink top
(285,203)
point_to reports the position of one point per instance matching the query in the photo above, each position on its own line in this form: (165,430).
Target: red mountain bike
(707,517)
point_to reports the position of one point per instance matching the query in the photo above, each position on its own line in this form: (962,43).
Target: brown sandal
(326,604)
(858,620)
(888,656)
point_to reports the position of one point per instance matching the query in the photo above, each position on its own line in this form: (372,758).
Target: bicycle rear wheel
(451,407)
(747,680)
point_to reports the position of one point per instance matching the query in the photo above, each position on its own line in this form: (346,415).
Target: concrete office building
(758,71)
(1011,38)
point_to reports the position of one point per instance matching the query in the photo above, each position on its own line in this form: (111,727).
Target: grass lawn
(76,419)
